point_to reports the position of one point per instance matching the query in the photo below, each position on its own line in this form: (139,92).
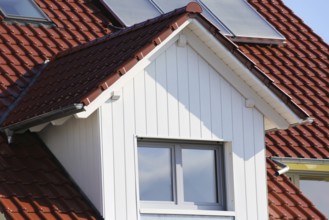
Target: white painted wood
(108,189)
(129,140)
(194,93)
(161,95)
(76,144)
(172,91)
(236,80)
(238,160)
(249,152)
(102,98)
(180,96)
(260,164)
(183,92)
(150,101)
(39,128)
(60,121)
(187,212)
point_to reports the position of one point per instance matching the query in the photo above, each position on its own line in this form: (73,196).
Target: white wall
(179,95)
(76,144)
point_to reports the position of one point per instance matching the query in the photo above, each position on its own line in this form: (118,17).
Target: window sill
(187,212)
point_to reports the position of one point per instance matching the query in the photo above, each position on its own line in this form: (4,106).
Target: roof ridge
(191,7)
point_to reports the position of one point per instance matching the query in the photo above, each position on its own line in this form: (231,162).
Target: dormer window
(22,10)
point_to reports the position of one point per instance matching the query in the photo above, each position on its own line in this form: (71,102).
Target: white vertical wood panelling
(216,103)
(76,144)
(205,105)
(172,87)
(150,100)
(260,164)
(140,107)
(129,126)
(179,95)
(183,92)
(161,95)
(194,93)
(238,154)
(106,128)
(118,137)
(249,152)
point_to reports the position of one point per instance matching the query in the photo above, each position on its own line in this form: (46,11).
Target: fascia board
(240,77)
(142,64)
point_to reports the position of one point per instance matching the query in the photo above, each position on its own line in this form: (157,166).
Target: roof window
(234,18)
(22,10)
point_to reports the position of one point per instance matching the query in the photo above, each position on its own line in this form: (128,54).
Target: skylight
(22,9)
(234,18)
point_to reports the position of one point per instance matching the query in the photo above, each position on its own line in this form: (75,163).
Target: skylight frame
(11,17)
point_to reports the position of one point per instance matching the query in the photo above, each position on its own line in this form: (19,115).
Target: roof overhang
(277,114)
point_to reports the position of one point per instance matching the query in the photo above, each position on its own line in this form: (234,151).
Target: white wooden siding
(77,146)
(179,95)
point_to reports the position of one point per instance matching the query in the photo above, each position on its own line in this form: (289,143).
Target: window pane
(199,175)
(21,8)
(155,175)
(317,191)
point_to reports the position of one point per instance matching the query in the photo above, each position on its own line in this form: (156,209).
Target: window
(314,186)
(22,9)
(180,175)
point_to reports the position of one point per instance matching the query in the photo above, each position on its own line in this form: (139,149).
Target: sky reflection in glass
(21,8)
(199,175)
(155,177)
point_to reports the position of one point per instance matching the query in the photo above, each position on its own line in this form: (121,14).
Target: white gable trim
(103,97)
(277,114)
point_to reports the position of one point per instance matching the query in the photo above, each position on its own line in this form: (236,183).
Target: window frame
(178,202)
(10,17)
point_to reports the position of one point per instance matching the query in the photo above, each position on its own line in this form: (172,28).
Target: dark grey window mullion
(220,177)
(179,175)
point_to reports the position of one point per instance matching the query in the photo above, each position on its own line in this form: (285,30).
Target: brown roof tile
(25,46)
(79,75)
(285,199)
(33,185)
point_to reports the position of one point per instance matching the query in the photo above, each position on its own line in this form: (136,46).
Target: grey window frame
(45,18)
(178,202)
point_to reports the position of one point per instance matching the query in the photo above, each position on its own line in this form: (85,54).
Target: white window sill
(187,212)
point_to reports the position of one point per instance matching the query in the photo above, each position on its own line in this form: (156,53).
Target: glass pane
(142,10)
(199,175)
(21,8)
(155,175)
(241,18)
(317,191)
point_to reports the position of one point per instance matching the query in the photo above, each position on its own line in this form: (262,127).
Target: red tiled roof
(301,69)
(285,200)
(24,46)
(33,186)
(81,74)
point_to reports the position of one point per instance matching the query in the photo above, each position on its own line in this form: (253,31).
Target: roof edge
(251,66)
(46,117)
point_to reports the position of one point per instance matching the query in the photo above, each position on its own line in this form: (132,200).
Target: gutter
(284,168)
(41,119)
